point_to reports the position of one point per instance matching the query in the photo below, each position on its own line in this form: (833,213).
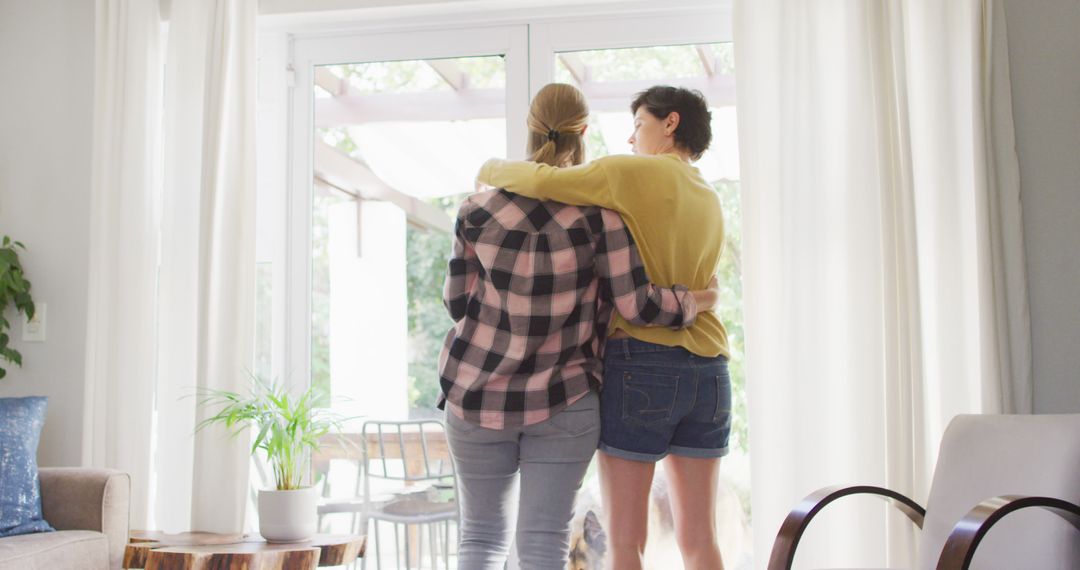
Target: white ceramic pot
(287,516)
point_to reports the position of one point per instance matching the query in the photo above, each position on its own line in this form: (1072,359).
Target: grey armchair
(1005,495)
(89,509)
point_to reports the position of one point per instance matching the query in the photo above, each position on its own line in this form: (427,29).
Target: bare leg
(625,487)
(693,490)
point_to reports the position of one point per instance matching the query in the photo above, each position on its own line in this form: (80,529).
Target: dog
(588,545)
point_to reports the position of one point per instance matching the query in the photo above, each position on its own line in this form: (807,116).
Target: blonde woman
(531,287)
(667,393)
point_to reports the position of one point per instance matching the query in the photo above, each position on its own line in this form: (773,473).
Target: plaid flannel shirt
(531,287)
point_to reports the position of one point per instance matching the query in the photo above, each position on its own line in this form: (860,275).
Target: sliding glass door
(386,132)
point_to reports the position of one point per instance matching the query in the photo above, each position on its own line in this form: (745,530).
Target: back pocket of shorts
(722,415)
(648,398)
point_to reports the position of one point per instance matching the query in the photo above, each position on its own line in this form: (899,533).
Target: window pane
(397,147)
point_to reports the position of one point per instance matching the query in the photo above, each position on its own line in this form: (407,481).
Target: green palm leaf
(287,428)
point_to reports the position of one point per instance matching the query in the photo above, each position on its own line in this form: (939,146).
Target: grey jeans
(552,457)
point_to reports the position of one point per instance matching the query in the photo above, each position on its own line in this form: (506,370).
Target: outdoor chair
(411,453)
(1005,495)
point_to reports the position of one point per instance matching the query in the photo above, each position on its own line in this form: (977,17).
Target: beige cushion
(83,549)
(984,456)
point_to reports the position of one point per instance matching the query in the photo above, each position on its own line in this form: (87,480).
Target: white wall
(1044,57)
(46,65)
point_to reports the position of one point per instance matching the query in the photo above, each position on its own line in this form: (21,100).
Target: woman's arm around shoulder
(583,185)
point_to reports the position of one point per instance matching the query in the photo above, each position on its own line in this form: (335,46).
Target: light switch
(34,329)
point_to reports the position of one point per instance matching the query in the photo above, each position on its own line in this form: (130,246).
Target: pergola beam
(718,90)
(577,68)
(470,104)
(335,169)
(708,60)
(424,106)
(450,72)
(333,84)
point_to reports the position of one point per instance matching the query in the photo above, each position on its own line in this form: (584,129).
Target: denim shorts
(658,400)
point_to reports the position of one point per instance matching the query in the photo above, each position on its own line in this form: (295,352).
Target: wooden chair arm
(783,552)
(960,547)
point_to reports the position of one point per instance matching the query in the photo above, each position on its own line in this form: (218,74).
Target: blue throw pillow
(20,494)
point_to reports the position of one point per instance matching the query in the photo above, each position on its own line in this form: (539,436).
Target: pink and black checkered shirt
(531,287)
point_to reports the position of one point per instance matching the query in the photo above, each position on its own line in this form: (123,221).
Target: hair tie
(553,135)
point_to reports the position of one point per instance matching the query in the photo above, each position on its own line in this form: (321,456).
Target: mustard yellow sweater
(673,214)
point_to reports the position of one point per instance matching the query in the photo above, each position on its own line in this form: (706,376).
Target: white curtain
(884,282)
(202,331)
(208,280)
(120,344)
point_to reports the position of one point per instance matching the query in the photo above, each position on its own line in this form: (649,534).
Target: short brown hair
(694,133)
(557,116)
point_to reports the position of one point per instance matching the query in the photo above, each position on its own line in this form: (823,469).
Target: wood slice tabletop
(204,550)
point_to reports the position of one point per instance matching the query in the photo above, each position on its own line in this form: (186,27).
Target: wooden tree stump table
(206,551)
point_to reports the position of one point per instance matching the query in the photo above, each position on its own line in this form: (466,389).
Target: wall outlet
(34,329)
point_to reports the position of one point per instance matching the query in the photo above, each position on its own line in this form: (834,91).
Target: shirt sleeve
(584,185)
(620,267)
(461,272)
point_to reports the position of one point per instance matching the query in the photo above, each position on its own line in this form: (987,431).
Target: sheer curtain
(884,282)
(208,246)
(119,388)
(164,325)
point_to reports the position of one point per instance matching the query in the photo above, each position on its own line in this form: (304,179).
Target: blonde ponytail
(557,119)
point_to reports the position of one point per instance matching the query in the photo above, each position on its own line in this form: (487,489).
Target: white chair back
(984,456)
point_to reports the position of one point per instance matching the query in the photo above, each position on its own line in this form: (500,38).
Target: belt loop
(626,348)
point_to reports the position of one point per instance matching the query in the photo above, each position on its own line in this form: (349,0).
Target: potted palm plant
(288,430)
